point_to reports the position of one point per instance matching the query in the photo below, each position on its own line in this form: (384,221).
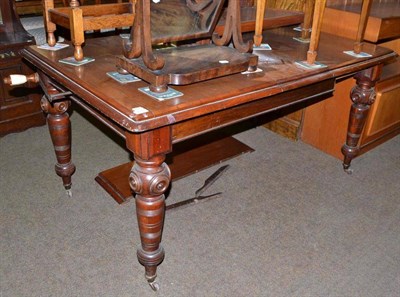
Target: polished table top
(280,74)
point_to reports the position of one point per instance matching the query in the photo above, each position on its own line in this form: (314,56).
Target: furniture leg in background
(316,31)
(308,19)
(260,11)
(49,25)
(365,11)
(77,33)
(78,19)
(312,52)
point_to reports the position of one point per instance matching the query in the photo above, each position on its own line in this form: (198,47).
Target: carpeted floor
(290,222)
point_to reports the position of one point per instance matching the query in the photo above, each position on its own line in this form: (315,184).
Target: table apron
(209,122)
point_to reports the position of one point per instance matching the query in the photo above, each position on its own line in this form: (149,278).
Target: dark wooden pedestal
(187,158)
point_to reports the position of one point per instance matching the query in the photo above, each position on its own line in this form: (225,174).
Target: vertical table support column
(60,132)
(149,179)
(362,95)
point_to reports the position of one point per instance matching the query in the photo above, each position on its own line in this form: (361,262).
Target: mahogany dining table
(151,127)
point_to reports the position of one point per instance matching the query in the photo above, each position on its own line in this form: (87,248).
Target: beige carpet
(290,222)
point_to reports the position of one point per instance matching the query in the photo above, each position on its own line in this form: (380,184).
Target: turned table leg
(60,132)
(149,179)
(362,95)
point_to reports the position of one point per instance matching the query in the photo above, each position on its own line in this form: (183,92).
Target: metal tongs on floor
(198,194)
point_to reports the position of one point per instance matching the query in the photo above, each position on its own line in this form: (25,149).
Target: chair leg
(308,16)
(260,11)
(319,10)
(50,26)
(77,33)
(366,8)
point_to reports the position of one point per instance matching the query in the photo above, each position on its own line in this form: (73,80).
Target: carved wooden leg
(362,95)
(149,179)
(60,132)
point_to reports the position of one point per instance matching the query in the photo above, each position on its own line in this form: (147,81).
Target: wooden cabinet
(19,106)
(384,118)
(321,122)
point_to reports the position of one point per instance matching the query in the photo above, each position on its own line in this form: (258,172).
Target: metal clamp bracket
(52,97)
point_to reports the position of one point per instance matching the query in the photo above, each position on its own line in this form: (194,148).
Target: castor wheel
(154,286)
(68,190)
(347,169)
(152,282)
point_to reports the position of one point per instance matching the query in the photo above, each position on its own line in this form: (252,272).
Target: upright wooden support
(260,11)
(365,10)
(141,33)
(77,33)
(316,31)
(232,30)
(50,26)
(79,18)
(308,17)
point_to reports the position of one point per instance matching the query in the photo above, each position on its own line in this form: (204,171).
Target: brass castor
(152,282)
